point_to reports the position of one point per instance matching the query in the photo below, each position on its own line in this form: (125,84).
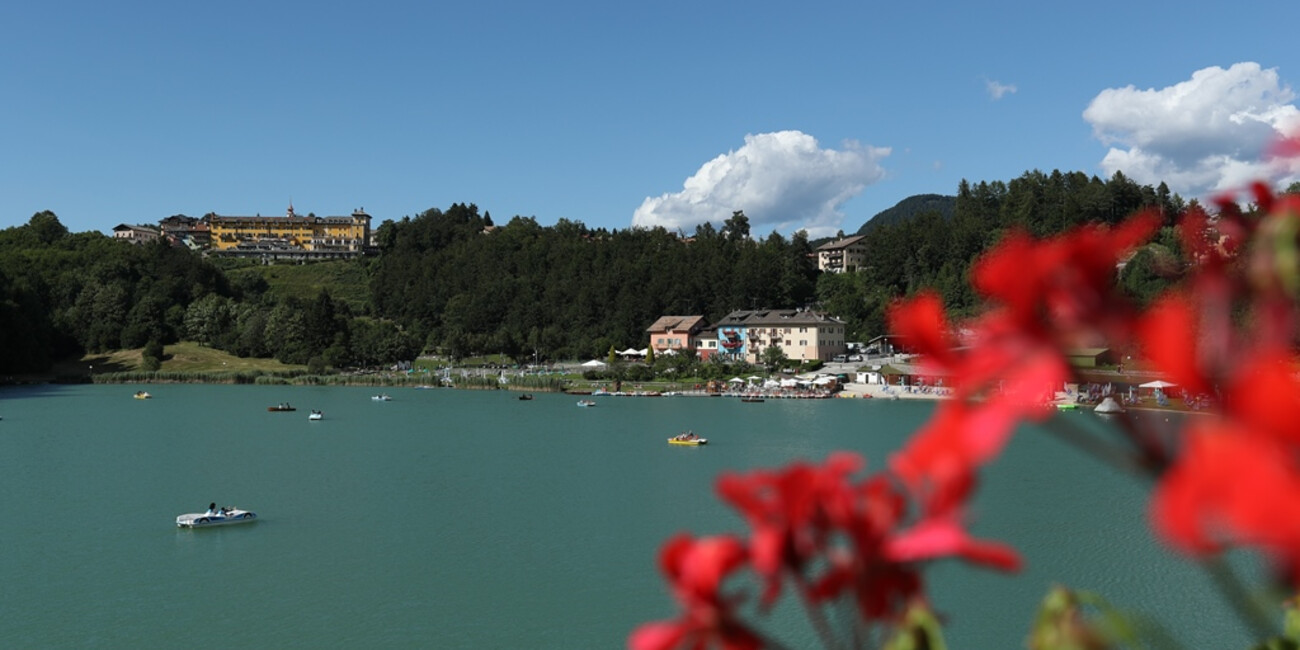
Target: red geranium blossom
(697,569)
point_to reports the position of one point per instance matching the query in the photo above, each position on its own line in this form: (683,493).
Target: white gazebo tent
(594,363)
(1157,387)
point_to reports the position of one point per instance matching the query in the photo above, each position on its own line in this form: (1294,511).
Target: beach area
(883,391)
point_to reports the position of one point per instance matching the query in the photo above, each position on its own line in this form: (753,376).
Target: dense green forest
(453,282)
(909,208)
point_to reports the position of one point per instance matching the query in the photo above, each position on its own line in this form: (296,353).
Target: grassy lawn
(180,357)
(345,279)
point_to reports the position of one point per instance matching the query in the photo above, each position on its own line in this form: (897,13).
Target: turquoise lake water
(467,519)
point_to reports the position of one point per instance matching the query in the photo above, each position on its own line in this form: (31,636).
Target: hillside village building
(135,234)
(801,334)
(842,255)
(190,232)
(292,236)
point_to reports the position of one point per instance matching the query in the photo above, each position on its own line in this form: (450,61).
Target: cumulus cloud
(783,181)
(1200,136)
(997,89)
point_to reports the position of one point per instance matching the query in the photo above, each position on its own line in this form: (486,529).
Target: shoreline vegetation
(193,363)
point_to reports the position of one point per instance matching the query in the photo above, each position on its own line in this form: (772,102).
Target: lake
(471,519)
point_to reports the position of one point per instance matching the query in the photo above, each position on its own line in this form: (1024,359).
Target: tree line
(452,282)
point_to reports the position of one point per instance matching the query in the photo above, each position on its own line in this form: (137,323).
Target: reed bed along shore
(303,378)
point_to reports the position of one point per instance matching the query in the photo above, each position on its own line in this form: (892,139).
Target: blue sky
(815,115)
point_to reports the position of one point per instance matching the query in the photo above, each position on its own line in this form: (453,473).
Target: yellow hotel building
(316,236)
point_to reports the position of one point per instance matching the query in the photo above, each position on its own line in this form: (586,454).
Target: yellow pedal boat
(691,440)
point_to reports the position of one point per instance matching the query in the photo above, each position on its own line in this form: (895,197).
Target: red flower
(1054,288)
(696,569)
(922,323)
(1170,334)
(945,537)
(792,513)
(1288,147)
(1231,487)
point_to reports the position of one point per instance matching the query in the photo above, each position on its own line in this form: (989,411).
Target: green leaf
(920,631)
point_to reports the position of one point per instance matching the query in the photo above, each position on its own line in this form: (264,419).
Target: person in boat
(212,508)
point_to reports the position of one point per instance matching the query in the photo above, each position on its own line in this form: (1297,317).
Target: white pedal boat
(204,519)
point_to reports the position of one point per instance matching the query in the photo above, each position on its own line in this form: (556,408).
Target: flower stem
(1111,454)
(1230,587)
(815,615)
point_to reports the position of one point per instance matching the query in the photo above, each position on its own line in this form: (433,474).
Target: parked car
(839,358)
(855,357)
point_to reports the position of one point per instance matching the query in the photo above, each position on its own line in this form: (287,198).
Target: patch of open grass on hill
(185,356)
(346,280)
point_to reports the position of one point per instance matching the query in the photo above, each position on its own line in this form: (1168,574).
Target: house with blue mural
(802,334)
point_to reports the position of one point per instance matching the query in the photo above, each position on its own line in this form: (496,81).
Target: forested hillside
(909,208)
(567,291)
(453,282)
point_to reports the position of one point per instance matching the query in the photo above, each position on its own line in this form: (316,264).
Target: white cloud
(783,181)
(1201,136)
(998,89)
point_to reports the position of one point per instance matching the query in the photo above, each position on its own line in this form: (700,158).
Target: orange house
(677,333)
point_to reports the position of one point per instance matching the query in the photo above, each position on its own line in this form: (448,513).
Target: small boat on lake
(382,397)
(283,406)
(688,438)
(141,394)
(525,397)
(222,517)
(586,402)
(316,415)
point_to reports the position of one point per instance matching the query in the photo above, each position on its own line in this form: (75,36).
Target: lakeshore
(190,363)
